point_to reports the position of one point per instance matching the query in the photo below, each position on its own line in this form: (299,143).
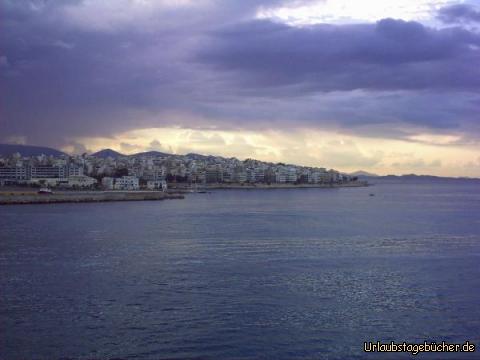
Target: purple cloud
(459,13)
(63,79)
(388,55)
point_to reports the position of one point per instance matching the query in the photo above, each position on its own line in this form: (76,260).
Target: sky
(390,87)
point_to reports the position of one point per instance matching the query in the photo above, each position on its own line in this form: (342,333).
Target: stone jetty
(31,197)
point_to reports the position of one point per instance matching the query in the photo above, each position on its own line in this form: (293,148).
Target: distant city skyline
(111,170)
(388,87)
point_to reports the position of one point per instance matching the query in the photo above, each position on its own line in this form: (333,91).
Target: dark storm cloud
(61,81)
(459,13)
(68,71)
(388,55)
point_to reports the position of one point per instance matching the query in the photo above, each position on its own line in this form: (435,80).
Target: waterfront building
(281,176)
(191,168)
(157,185)
(213,174)
(250,175)
(198,177)
(269,176)
(291,175)
(334,175)
(127,183)
(81,181)
(259,175)
(14,173)
(241,176)
(228,176)
(75,170)
(48,172)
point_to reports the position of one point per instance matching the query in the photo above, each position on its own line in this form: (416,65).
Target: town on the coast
(109,170)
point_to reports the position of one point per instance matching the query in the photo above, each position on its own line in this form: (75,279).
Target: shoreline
(30,197)
(272,186)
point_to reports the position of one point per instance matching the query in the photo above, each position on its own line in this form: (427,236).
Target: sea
(244,274)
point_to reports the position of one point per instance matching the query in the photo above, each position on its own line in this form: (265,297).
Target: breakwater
(30,197)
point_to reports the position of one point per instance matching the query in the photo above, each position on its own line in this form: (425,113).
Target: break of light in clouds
(302,146)
(347,11)
(385,86)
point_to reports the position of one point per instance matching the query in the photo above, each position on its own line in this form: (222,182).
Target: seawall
(30,197)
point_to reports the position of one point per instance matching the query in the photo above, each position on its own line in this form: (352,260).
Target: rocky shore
(31,197)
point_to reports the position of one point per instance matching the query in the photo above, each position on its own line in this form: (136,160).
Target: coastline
(31,197)
(26,197)
(273,186)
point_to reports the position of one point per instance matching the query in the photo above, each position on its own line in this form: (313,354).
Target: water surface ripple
(271,274)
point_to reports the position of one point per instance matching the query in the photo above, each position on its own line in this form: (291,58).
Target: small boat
(45,191)
(371,194)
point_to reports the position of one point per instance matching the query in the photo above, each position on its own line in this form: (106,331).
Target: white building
(240,176)
(291,175)
(281,176)
(81,181)
(14,172)
(259,175)
(49,172)
(157,185)
(250,175)
(228,176)
(127,183)
(334,175)
(75,170)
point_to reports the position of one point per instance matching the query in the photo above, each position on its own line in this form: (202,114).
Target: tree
(120,172)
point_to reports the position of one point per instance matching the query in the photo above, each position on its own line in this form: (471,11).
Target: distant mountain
(150,154)
(421,178)
(363,173)
(28,150)
(195,156)
(106,153)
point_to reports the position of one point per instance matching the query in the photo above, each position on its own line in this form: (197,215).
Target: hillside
(28,150)
(106,153)
(150,154)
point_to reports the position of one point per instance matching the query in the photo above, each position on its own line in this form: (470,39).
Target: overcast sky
(383,86)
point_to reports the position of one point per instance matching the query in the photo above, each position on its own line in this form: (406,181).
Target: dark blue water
(272,274)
